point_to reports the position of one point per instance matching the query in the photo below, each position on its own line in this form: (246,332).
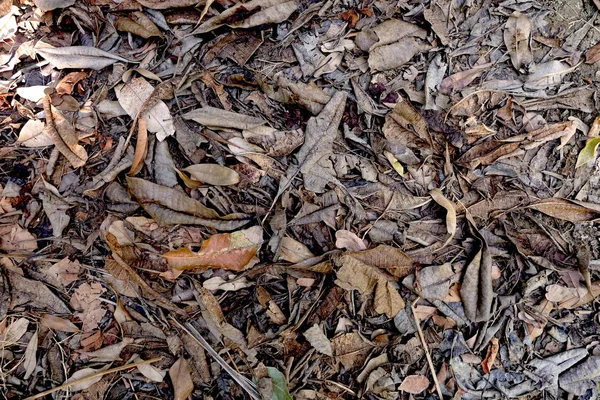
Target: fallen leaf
(55,208)
(141,148)
(583,378)
(351,349)
(439,198)
(86,299)
(461,80)
(138,24)
(48,5)
(215,118)
(348,240)
(5,297)
(593,54)
(34,294)
(181,378)
(218,283)
(517,37)
(14,332)
(168,206)
(568,210)
(139,100)
(414,384)
(547,74)
(64,136)
(476,290)
(107,354)
(32,134)
(15,238)
(65,271)
(213,174)
(83,373)
(68,82)
(491,355)
(225,250)
(571,297)
(434,281)
(280,387)
(29,358)
(250,14)
(166,4)
(293,251)
(588,153)
(317,339)
(75,57)
(59,324)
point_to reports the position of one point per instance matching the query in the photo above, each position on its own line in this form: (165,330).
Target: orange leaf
(141,148)
(225,250)
(492,352)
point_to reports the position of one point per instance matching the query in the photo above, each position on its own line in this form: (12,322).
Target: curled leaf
(438,196)
(141,148)
(138,24)
(213,174)
(63,135)
(76,56)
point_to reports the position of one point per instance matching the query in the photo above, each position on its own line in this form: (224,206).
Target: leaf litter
(291,200)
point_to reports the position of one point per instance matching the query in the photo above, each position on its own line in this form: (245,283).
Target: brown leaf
(213,174)
(63,135)
(250,14)
(568,210)
(76,56)
(67,84)
(476,290)
(293,251)
(166,4)
(34,294)
(572,297)
(48,5)
(218,118)
(491,355)
(141,148)
(15,238)
(138,24)
(181,377)
(5,7)
(168,206)
(65,271)
(439,198)
(59,324)
(351,349)
(226,250)
(414,384)
(317,339)
(86,298)
(517,36)
(4,295)
(348,240)
(461,80)
(29,358)
(593,54)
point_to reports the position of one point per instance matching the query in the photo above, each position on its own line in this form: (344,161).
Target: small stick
(424,344)
(96,375)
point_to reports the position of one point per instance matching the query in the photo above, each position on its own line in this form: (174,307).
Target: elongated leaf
(476,290)
(218,118)
(141,148)
(568,210)
(76,56)
(517,34)
(166,4)
(32,134)
(30,359)
(226,250)
(439,198)
(139,24)
(59,324)
(63,135)
(280,389)
(588,153)
(48,5)
(181,378)
(213,174)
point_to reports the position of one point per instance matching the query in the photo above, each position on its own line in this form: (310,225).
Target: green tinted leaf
(588,153)
(280,389)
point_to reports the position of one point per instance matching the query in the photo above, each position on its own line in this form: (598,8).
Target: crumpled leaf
(65,271)
(34,294)
(476,290)
(64,136)
(225,250)
(414,384)
(181,377)
(48,5)
(517,37)
(76,56)
(375,271)
(568,210)
(317,339)
(55,208)
(318,144)
(306,95)
(138,24)
(168,206)
(250,14)
(407,134)
(351,349)
(139,99)
(439,198)
(581,378)
(86,298)
(213,174)
(15,238)
(218,118)
(435,281)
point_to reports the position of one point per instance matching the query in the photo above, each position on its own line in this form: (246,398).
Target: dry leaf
(63,135)
(67,84)
(450,207)
(351,349)
(56,209)
(476,290)
(65,271)
(166,4)
(588,153)
(593,54)
(13,332)
(48,5)
(138,24)
(75,57)
(141,148)
(547,74)
(491,355)
(461,80)
(82,373)
(213,174)
(59,324)
(34,294)
(250,14)
(108,353)
(86,298)
(293,251)
(32,134)
(517,38)
(168,206)
(181,378)
(30,359)
(435,281)
(348,240)
(225,250)
(414,384)
(568,210)
(139,99)
(218,118)
(571,297)
(317,339)
(15,238)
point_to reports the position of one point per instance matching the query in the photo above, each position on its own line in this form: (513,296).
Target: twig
(424,344)
(96,375)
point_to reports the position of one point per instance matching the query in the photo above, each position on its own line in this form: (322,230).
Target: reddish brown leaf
(492,352)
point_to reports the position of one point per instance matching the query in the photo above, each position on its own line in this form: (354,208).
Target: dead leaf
(75,57)
(568,210)
(491,355)
(66,85)
(55,208)
(351,349)
(64,136)
(11,335)
(414,384)
(250,14)
(32,134)
(517,38)
(476,290)
(593,54)
(348,240)
(59,324)
(15,238)
(86,298)
(461,80)
(571,297)
(139,99)
(5,297)
(583,378)
(225,250)
(166,4)
(547,74)
(588,153)
(317,339)
(138,24)
(34,294)
(434,282)
(29,358)
(439,198)
(181,378)
(168,206)
(65,271)
(293,251)
(141,148)
(213,174)
(48,5)
(83,373)
(216,118)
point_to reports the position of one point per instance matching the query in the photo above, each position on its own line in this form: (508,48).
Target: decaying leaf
(517,37)
(141,148)
(213,174)
(64,136)
(414,384)
(15,238)
(30,359)
(488,363)
(568,210)
(48,5)
(181,378)
(168,206)
(439,198)
(588,153)
(593,54)
(293,251)
(317,338)
(582,378)
(218,118)
(32,134)
(138,24)
(461,80)
(225,250)
(572,297)
(76,56)
(250,14)
(59,324)
(166,4)
(351,349)
(348,240)
(476,290)
(34,294)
